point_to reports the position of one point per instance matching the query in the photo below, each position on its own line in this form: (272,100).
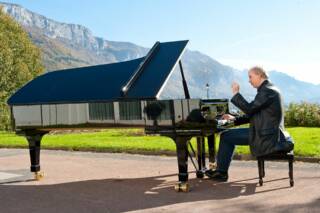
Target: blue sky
(276,34)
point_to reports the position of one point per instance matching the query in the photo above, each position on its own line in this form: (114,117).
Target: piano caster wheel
(181,187)
(38,175)
(212,166)
(200,174)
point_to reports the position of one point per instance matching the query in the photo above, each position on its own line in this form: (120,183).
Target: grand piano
(127,95)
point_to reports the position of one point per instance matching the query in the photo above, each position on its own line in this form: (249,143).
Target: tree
(20,61)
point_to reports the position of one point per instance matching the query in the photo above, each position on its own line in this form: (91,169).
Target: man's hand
(228,117)
(235,88)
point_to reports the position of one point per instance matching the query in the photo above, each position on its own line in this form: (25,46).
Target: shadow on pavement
(115,195)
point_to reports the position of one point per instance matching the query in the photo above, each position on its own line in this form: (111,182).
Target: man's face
(254,79)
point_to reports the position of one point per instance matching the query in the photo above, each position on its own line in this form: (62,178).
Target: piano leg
(182,155)
(200,157)
(34,150)
(212,151)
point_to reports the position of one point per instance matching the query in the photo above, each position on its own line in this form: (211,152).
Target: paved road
(104,182)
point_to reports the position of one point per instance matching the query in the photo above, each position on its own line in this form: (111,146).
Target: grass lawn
(307,141)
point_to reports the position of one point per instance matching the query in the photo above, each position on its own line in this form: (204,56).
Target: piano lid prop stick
(138,71)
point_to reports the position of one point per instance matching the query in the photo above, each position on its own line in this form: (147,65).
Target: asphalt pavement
(106,182)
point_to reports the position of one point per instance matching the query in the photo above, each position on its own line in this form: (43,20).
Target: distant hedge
(303,114)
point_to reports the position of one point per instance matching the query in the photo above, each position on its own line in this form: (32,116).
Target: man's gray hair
(259,71)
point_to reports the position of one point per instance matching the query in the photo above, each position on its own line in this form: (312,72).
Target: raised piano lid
(103,82)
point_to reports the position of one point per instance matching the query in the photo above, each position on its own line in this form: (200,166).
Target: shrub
(303,114)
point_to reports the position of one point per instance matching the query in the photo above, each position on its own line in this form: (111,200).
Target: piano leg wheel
(182,187)
(200,174)
(38,175)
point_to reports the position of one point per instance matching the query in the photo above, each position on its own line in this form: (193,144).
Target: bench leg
(291,172)
(263,170)
(260,170)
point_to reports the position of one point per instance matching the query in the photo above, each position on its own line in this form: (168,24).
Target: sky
(282,35)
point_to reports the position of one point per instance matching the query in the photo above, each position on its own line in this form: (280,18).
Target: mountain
(70,45)
(294,90)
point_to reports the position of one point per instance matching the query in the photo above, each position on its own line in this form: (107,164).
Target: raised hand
(235,88)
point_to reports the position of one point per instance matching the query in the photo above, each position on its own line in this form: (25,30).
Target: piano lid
(104,82)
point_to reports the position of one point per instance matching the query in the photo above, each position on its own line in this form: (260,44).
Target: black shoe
(217,175)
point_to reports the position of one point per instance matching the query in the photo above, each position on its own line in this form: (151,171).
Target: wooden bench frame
(276,156)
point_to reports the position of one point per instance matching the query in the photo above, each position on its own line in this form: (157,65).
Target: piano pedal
(212,166)
(38,175)
(182,187)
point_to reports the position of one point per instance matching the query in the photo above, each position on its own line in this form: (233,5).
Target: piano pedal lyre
(182,187)
(38,175)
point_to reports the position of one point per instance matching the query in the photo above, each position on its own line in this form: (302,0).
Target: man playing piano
(265,134)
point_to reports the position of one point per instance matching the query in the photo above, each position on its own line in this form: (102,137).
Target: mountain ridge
(72,45)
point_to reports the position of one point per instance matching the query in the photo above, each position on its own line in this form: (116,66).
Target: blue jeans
(228,140)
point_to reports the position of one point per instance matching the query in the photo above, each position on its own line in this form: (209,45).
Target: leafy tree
(20,61)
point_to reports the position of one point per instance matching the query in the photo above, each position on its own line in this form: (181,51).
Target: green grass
(307,141)
(116,140)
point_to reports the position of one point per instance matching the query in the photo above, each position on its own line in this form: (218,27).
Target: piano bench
(289,156)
